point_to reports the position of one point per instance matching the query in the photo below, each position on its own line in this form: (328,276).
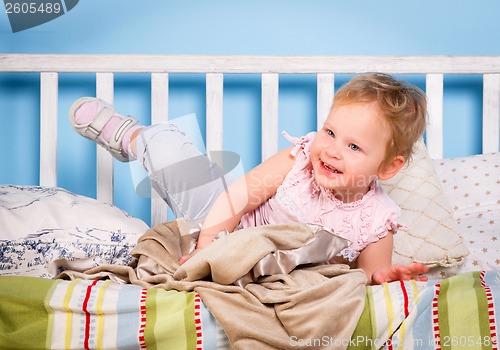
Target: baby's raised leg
(98,121)
(183,176)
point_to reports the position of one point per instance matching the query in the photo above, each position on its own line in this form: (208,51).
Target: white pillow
(41,225)
(473,185)
(431,235)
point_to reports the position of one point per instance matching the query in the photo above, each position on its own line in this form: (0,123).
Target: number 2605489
(32,7)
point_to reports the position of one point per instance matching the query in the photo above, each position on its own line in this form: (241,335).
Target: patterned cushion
(43,227)
(430,235)
(473,186)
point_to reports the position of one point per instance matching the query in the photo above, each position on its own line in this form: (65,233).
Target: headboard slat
(491,113)
(269,118)
(215,89)
(48,128)
(249,64)
(434,130)
(325,94)
(105,91)
(159,114)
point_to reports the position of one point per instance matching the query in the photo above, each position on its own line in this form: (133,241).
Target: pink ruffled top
(300,199)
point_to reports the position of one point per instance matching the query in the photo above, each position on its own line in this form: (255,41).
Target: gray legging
(184,177)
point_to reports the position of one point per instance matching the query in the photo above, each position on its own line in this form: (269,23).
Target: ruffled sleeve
(385,218)
(390,213)
(373,221)
(299,142)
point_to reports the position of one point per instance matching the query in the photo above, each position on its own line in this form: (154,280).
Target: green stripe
(149,330)
(23,317)
(189,324)
(173,327)
(365,329)
(459,314)
(373,318)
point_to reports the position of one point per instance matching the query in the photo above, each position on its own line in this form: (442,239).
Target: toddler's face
(348,151)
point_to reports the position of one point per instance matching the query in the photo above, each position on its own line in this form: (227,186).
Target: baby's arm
(244,195)
(225,213)
(376,261)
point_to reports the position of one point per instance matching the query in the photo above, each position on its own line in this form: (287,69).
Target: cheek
(359,168)
(319,144)
(315,149)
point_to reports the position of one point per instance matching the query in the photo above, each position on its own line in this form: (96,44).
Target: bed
(69,271)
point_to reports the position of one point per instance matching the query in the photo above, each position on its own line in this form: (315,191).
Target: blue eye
(354,147)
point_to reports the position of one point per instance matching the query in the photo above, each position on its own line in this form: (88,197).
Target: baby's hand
(400,272)
(185,258)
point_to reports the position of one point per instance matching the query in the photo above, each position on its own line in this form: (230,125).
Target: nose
(333,149)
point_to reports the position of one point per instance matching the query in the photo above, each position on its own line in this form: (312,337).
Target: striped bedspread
(456,313)
(460,312)
(38,313)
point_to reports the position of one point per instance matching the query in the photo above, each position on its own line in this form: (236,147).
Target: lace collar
(349,205)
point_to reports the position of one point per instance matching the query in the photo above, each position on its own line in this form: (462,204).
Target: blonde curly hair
(403,106)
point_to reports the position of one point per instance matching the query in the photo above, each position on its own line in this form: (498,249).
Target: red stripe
(405,296)
(142,326)
(435,319)
(197,321)
(402,285)
(87,314)
(491,311)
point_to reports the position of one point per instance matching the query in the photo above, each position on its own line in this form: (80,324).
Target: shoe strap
(94,129)
(115,143)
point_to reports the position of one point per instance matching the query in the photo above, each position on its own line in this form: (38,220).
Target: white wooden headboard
(270,67)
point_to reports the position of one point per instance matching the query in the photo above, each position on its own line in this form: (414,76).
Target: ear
(391,168)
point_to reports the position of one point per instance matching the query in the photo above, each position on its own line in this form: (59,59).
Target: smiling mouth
(331,169)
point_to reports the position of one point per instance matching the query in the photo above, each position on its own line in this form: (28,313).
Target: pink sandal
(93,130)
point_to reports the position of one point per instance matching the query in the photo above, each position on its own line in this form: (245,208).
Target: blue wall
(305,27)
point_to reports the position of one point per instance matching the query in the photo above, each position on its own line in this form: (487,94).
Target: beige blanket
(313,306)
